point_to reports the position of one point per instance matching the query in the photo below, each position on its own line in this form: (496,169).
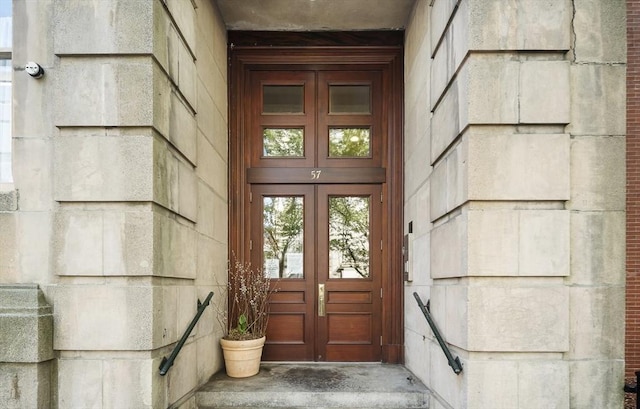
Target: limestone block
(417,354)
(80,383)
(517,166)
(451,52)
(221,220)
(451,115)
(100,317)
(597,384)
(491,384)
(493,89)
(448,248)
(544,92)
(33,238)
(26,385)
(103,27)
(127,243)
(166,175)
(209,358)
(30,95)
(449,386)
(439,16)
(597,322)
(500,383)
(220,137)
(525,318)
(212,168)
(453,324)
(598,180)
(32,40)
(174,247)
(598,246)
(449,180)
(165,300)
(26,324)
(205,120)
(186,308)
(605,84)
(104,91)
(543,384)
(493,243)
(184,14)
(416,40)
(187,75)
(127,383)
(414,319)
(417,167)
(600,31)
(210,25)
(8,201)
(32,169)
(182,127)
(103,168)
(206,209)
(212,261)
(182,377)
(9,266)
(544,243)
(187,191)
(421,259)
(110,243)
(526,243)
(520,24)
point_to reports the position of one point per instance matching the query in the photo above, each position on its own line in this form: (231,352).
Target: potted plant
(246,324)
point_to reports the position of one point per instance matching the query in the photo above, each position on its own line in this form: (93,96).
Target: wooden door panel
(291,316)
(351,328)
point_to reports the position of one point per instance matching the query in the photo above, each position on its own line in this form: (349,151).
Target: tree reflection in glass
(348,237)
(283,142)
(283,236)
(349,142)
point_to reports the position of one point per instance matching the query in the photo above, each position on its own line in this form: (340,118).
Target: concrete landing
(315,385)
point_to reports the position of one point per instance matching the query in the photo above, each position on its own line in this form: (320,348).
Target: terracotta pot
(242,358)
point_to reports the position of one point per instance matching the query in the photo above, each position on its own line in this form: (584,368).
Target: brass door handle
(321,311)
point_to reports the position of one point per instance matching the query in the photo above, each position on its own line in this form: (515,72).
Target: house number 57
(315,174)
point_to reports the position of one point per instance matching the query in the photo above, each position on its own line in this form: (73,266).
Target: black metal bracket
(454,363)
(168,362)
(634,389)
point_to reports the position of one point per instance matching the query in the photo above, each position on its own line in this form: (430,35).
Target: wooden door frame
(347,50)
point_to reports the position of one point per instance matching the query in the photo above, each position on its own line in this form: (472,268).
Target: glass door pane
(283,231)
(348,237)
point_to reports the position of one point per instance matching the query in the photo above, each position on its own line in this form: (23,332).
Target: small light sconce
(34,69)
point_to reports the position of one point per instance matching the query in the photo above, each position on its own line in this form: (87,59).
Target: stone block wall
(120,168)
(515,189)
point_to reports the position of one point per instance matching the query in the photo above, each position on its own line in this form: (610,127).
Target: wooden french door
(310,199)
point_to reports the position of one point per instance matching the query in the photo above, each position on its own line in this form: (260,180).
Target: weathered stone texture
(599,31)
(80,27)
(598,180)
(524,383)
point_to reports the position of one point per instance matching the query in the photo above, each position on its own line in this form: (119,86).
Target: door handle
(321,311)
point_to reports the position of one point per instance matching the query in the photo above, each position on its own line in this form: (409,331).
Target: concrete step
(318,386)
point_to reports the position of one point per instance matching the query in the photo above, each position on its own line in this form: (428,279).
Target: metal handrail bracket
(168,362)
(454,363)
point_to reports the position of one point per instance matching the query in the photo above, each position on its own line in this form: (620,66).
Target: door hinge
(380,292)
(380,339)
(250,197)
(250,245)
(380,244)
(381,196)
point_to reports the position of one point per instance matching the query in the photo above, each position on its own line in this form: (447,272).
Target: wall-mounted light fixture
(34,69)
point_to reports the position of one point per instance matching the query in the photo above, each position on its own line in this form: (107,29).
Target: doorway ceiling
(315,15)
